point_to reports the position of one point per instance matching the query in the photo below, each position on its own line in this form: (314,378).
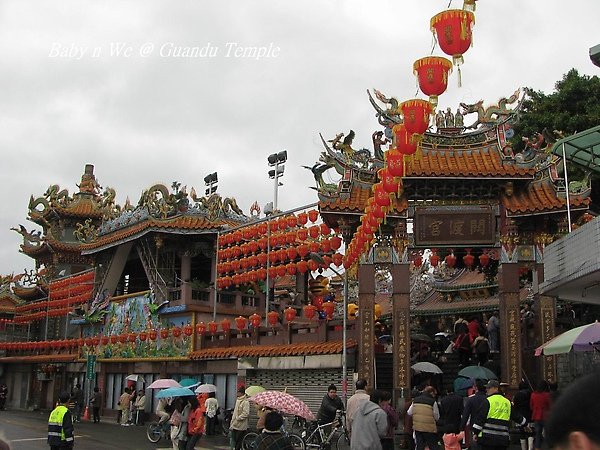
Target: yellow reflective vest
(60,427)
(493,420)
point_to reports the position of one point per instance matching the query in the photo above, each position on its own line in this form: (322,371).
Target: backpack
(483,346)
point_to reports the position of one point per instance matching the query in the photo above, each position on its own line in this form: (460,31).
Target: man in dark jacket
(60,425)
(472,405)
(492,421)
(330,405)
(451,409)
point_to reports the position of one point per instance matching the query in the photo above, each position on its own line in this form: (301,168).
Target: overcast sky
(99,83)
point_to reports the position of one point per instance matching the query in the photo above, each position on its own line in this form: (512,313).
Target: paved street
(27,430)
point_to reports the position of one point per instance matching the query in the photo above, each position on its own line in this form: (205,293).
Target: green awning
(582,149)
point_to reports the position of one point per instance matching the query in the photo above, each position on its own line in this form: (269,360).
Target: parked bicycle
(222,425)
(316,436)
(156,431)
(249,438)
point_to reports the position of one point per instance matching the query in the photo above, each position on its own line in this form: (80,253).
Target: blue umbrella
(176,392)
(187,382)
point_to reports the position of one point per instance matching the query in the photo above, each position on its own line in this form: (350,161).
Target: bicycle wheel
(343,442)
(153,432)
(248,441)
(297,442)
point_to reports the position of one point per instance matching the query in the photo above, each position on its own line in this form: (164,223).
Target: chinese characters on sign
(513,346)
(402,351)
(547,313)
(448,226)
(366,351)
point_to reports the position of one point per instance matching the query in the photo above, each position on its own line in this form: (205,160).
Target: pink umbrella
(581,339)
(163,383)
(283,402)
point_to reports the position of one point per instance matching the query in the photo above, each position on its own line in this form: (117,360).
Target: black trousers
(96,413)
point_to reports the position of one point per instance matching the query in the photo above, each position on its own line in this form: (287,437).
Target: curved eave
(175,225)
(356,201)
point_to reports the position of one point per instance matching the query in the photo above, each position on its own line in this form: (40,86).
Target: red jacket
(196,422)
(540,405)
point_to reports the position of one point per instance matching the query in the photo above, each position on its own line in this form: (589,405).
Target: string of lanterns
(452,30)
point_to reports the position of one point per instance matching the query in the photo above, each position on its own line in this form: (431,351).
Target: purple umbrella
(581,339)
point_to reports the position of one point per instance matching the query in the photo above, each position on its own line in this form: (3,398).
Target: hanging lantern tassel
(469,5)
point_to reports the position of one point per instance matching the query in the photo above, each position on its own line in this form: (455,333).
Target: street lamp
(210,181)
(276,160)
(319,259)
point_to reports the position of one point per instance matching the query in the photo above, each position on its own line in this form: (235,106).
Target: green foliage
(574,106)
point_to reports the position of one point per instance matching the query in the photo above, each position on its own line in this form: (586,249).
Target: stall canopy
(582,148)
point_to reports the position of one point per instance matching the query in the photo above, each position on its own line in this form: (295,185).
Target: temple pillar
(401,321)
(186,273)
(510,324)
(366,331)
(545,311)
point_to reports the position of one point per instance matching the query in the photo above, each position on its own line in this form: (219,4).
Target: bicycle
(249,438)
(156,431)
(222,424)
(316,436)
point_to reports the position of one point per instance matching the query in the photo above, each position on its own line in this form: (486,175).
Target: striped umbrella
(283,402)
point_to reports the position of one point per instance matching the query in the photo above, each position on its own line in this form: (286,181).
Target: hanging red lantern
(328,308)
(263,243)
(314,231)
(291,268)
(418,261)
(152,335)
(314,247)
(290,237)
(292,221)
(453,29)
(164,333)
(200,328)
(394,161)
(382,198)
(188,330)
(450,259)
(255,320)
(318,302)
(281,270)
(309,311)
(302,219)
(262,274)
(240,323)
(313,215)
(292,253)
(388,181)
(324,229)
(302,266)
(132,337)
(289,313)
(434,259)
(432,74)
(336,242)
(212,327)
(325,246)
(262,227)
(114,339)
(484,259)
(123,338)
(104,340)
(468,259)
(143,336)
(416,114)
(313,265)
(272,318)
(226,325)
(302,234)
(337,259)
(404,141)
(253,246)
(303,250)
(88,342)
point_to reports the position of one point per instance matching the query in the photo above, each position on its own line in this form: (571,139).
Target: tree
(574,106)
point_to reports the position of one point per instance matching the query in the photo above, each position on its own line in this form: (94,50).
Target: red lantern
(176,331)
(336,242)
(291,268)
(313,265)
(188,330)
(468,259)
(325,245)
(382,198)
(302,266)
(484,259)
(212,327)
(394,161)
(309,312)
(328,308)
(450,260)
(434,259)
(152,335)
(318,302)
(114,339)
(281,270)
(302,234)
(388,181)
(104,340)
(292,253)
(432,73)
(143,336)
(303,250)
(416,114)
(88,342)
(325,230)
(164,333)
(200,328)
(226,325)
(313,215)
(337,259)
(240,323)
(123,338)
(272,318)
(290,314)
(255,320)
(314,231)
(418,261)
(404,141)
(302,219)
(453,29)
(292,221)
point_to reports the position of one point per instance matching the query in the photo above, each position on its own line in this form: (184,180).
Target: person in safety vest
(493,419)
(60,425)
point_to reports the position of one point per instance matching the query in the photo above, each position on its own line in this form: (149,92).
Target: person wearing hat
(60,425)
(491,424)
(239,419)
(271,438)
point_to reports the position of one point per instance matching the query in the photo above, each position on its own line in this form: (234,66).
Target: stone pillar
(545,310)
(366,332)
(186,273)
(401,319)
(510,324)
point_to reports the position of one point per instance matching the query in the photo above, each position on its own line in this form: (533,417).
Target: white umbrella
(135,378)
(205,389)
(164,383)
(426,367)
